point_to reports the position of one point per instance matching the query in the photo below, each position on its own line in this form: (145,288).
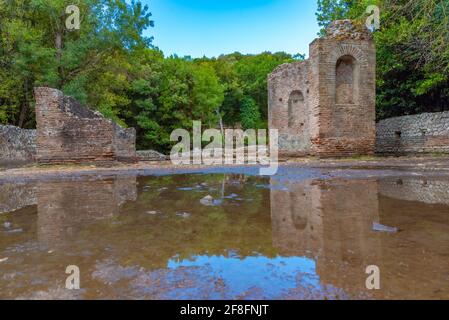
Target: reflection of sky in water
(265,277)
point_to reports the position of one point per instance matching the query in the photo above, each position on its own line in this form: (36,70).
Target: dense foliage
(412,51)
(111,66)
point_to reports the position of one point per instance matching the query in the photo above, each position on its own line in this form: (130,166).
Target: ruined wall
(423,133)
(325,106)
(288,111)
(125,144)
(17,145)
(70,133)
(342,84)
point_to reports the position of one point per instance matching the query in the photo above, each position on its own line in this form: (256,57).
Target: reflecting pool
(302,234)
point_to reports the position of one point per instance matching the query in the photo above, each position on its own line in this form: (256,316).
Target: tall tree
(412,52)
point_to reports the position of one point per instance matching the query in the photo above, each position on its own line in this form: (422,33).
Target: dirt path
(35,172)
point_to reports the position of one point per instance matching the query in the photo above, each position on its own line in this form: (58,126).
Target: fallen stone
(3,259)
(207,201)
(150,155)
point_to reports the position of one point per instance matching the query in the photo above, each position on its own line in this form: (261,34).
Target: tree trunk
(58,47)
(221,123)
(25,106)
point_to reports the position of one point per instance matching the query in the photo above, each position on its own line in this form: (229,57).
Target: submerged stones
(209,201)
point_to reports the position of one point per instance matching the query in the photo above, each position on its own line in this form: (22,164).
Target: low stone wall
(17,145)
(422,133)
(151,155)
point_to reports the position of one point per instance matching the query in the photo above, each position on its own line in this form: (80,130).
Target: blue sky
(214,27)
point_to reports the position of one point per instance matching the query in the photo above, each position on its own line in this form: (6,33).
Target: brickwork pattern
(70,133)
(337,117)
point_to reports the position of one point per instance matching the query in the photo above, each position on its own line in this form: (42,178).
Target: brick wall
(423,133)
(337,86)
(17,145)
(288,111)
(70,133)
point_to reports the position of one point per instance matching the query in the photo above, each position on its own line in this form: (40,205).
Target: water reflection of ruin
(331,222)
(63,207)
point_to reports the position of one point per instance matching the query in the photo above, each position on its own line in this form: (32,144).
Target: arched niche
(296,110)
(346,80)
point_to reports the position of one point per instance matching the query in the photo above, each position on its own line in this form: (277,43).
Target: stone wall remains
(288,112)
(17,145)
(422,133)
(125,144)
(325,106)
(70,133)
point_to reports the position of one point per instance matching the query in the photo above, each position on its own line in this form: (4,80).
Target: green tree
(250,115)
(37,49)
(412,52)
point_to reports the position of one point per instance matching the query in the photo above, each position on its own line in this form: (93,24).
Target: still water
(302,234)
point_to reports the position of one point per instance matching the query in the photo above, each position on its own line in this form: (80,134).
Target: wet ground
(227,234)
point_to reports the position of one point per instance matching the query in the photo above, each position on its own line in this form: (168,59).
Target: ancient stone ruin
(70,133)
(325,105)
(17,145)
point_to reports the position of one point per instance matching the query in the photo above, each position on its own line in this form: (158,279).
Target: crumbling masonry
(70,133)
(325,106)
